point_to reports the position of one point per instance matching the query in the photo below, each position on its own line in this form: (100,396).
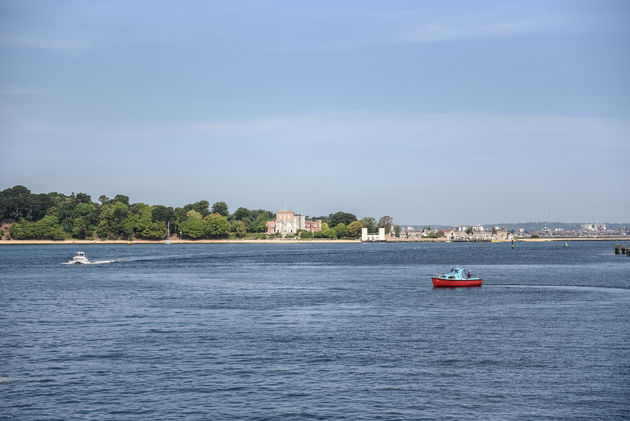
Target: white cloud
(426,26)
(476,26)
(44,43)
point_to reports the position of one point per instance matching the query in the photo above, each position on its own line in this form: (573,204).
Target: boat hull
(472,282)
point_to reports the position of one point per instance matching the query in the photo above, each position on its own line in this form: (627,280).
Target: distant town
(503,233)
(288,223)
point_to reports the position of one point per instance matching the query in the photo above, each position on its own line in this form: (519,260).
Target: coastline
(85,242)
(526,240)
(294,241)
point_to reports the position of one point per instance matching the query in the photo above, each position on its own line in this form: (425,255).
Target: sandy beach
(275,241)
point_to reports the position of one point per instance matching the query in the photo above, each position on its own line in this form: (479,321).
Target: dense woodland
(56,216)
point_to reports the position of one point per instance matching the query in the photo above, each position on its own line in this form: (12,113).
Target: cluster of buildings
(460,233)
(585,230)
(288,222)
(593,227)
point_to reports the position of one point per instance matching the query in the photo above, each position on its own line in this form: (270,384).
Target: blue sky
(431,112)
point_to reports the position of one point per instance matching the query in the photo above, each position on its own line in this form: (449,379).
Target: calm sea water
(314,331)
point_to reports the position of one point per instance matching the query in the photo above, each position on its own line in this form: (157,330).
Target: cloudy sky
(434,112)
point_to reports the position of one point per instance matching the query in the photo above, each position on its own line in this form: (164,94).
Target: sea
(314,331)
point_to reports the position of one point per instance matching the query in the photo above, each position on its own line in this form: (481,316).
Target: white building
(593,227)
(373,237)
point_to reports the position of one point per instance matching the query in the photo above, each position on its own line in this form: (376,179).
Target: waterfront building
(593,227)
(288,222)
(449,234)
(372,237)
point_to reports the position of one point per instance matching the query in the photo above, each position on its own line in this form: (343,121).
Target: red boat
(457,277)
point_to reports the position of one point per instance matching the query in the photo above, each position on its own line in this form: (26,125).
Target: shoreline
(294,241)
(172,242)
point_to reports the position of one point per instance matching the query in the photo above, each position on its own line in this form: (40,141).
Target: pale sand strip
(45,242)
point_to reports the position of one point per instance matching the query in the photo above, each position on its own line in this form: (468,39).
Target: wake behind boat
(457,277)
(81,259)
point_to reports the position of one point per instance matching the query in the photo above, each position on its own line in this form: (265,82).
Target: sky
(432,112)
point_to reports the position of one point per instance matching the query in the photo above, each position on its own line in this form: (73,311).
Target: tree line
(56,216)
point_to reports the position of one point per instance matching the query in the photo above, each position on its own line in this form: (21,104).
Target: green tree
(65,214)
(163,213)
(216,226)
(47,228)
(80,228)
(125,228)
(260,223)
(79,219)
(354,229)
(111,219)
(180,214)
(369,223)
(397,230)
(122,199)
(265,213)
(22,230)
(193,226)
(340,230)
(202,207)
(305,234)
(242,214)
(386,222)
(326,232)
(329,233)
(18,202)
(221,208)
(155,231)
(83,198)
(14,203)
(139,220)
(104,229)
(239,228)
(341,218)
(120,210)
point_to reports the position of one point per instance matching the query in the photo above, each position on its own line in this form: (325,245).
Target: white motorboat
(80,259)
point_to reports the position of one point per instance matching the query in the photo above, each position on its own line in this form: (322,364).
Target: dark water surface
(314,331)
